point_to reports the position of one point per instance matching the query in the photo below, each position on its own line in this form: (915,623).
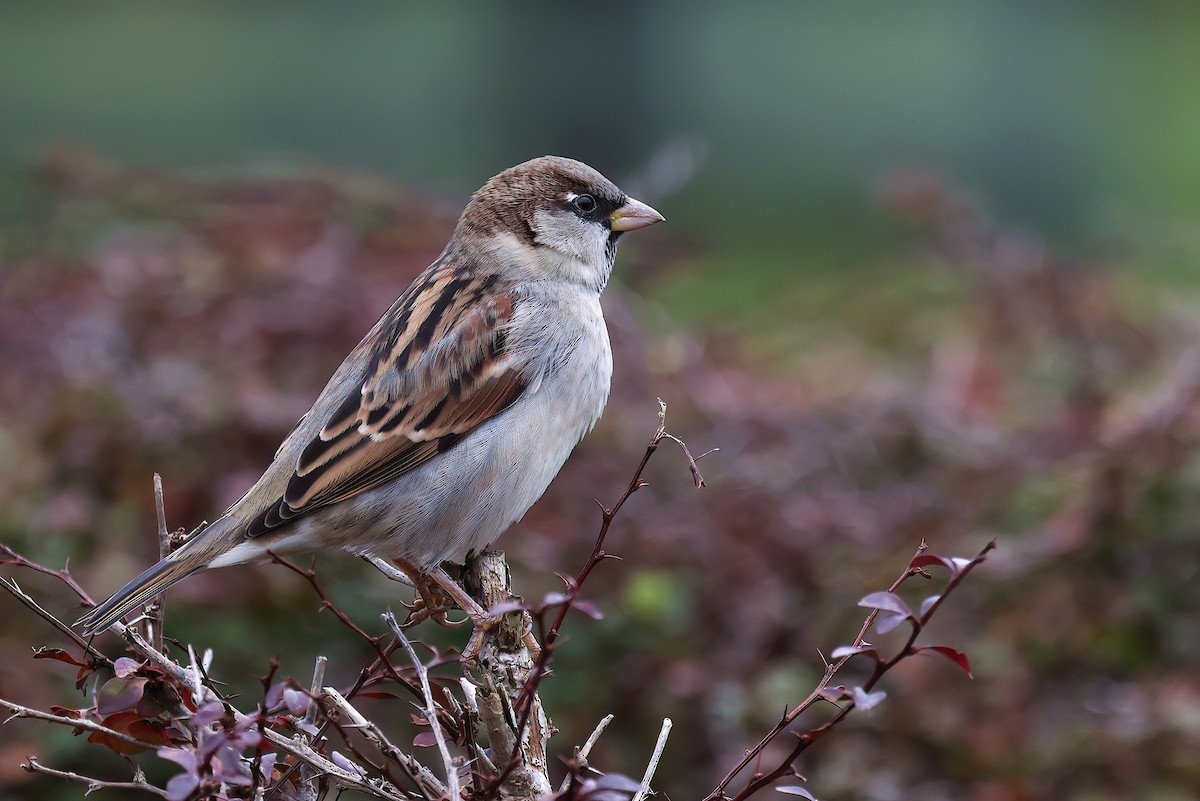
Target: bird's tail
(154,580)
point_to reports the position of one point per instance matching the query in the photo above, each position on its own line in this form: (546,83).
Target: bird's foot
(432,603)
(438,594)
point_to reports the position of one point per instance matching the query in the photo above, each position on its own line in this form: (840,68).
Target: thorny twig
(524,702)
(759,779)
(598,554)
(27,600)
(382,652)
(382,661)
(64,575)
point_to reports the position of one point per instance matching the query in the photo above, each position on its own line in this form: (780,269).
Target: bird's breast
(562,338)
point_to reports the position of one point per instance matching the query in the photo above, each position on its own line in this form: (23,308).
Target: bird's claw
(432,604)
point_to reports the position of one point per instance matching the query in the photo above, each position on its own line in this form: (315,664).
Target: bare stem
(652,767)
(581,754)
(139,781)
(25,598)
(430,786)
(156,610)
(431,710)
(318,681)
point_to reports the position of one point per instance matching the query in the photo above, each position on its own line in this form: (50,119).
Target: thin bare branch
(581,753)
(652,767)
(345,778)
(691,461)
(139,781)
(63,575)
(155,612)
(590,743)
(27,600)
(431,709)
(430,786)
(318,681)
(598,553)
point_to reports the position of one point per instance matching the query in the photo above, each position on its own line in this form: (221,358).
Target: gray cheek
(569,234)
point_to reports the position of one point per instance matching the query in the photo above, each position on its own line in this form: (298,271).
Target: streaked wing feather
(430,384)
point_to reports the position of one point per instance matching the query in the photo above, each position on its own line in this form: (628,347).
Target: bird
(457,409)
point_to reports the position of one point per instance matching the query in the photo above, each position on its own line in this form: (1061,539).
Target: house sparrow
(452,416)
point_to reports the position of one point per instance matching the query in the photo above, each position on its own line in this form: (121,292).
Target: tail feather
(137,592)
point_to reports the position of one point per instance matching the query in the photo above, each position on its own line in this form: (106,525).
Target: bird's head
(565,213)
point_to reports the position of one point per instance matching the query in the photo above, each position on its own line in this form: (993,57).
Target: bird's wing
(439,366)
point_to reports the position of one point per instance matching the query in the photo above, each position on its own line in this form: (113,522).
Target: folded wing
(439,368)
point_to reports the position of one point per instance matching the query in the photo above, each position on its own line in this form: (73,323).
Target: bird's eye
(584,204)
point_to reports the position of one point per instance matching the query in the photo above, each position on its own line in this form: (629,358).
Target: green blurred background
(1074,119)
(175,180)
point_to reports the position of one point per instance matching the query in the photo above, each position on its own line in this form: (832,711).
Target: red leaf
(149,731)
(78,714)
(954,564)
(65,712)
(439,695)
(927,560)
(424,740)
(120,746)
(953,654)
(59,654)
(886,601)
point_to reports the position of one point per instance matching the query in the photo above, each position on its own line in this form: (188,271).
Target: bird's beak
(634,214)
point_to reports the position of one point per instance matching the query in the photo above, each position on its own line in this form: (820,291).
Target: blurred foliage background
(929,272)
